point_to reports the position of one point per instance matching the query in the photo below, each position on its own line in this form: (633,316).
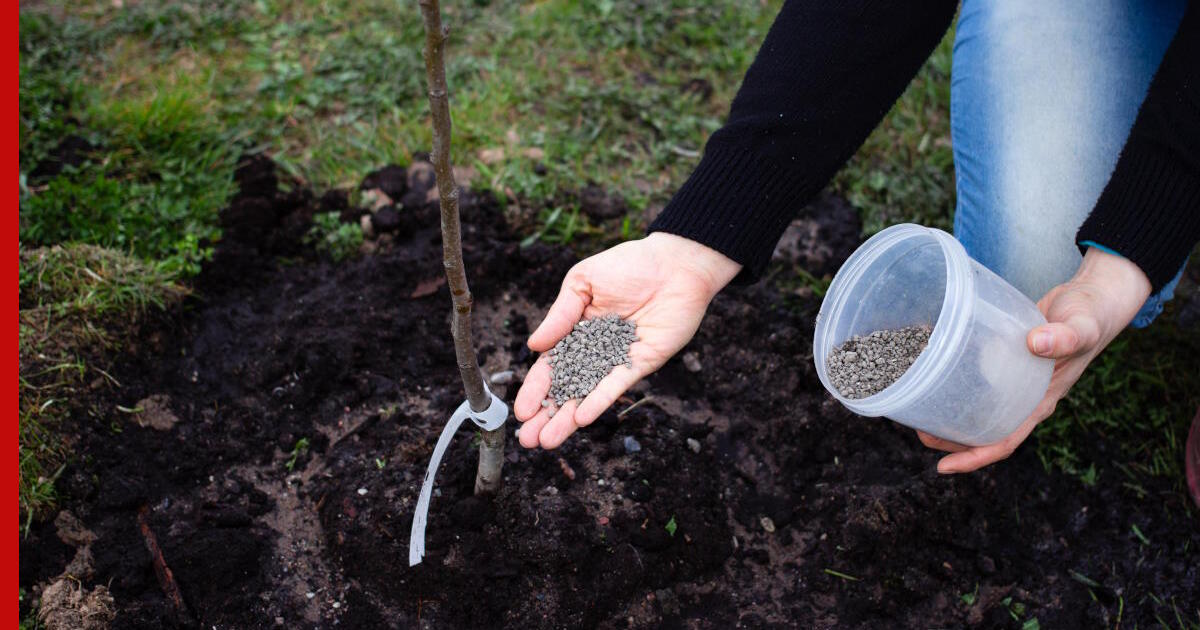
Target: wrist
(1120,278)
(713,267)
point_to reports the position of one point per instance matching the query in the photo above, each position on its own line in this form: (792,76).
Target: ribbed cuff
(737,203)
(1149,212)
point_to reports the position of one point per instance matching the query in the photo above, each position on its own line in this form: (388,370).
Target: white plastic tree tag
(489,419)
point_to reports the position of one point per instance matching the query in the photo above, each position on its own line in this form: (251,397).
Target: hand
(1083,316)
(663,283)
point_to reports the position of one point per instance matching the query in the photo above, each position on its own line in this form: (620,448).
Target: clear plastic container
(976,381)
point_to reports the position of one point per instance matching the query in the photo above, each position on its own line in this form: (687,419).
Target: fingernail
(1043,342)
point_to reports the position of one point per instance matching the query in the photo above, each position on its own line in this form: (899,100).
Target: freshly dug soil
(865,365)
(785,510)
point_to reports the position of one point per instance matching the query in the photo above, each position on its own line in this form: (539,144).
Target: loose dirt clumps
(65,605)
(155,412)
(585,356)
(863,366)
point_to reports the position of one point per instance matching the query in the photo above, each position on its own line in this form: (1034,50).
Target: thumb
(1058,340)
(566,311)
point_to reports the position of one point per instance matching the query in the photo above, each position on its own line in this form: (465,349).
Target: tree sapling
(491,446)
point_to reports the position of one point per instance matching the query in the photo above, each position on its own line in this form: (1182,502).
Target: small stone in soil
(631,444)
(589,353)
(693,444)
(863,366)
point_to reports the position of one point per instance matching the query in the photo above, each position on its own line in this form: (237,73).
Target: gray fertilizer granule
(586,355)
(864,366)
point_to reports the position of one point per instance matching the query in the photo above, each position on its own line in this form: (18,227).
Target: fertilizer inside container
(865,365)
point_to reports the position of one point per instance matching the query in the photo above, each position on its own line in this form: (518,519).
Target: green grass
(78,303)
(30,621)
(298,451)
(597,91)
(163,163)
(333,238)
(1137,400)
(1170,617)
(843,576)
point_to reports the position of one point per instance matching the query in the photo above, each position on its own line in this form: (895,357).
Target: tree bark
(491,447)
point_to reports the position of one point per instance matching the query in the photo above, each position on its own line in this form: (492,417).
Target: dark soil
(72,150)
(793,513)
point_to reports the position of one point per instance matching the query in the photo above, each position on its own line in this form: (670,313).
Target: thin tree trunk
(491,447)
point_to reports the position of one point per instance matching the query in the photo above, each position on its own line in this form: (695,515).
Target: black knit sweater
(827,74)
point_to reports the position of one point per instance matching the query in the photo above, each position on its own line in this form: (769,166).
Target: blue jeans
(1043,95)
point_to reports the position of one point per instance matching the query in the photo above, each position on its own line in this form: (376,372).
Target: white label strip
(489,419)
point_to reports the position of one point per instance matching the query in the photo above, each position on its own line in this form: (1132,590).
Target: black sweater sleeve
(1150,210)
(825,76)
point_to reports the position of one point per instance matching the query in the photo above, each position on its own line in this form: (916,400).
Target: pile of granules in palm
(586,355)
(864,366)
